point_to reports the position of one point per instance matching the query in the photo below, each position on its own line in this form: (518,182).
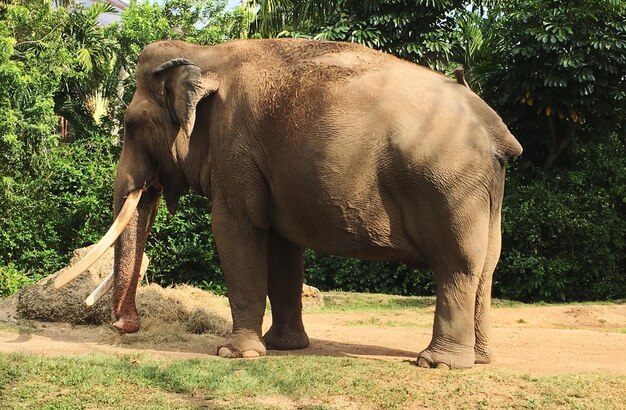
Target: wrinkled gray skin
(330,146)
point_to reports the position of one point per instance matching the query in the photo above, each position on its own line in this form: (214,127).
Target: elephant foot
(482,355)
(430,358)
(285,339)
(242,346)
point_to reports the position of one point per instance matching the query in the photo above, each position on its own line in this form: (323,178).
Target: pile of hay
(312,298)
(41,301)
(167,314)
(167,310)
(170,311)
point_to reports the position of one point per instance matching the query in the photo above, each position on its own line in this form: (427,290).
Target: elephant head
(158,128)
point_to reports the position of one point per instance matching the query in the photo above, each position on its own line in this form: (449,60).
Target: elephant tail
(505,145)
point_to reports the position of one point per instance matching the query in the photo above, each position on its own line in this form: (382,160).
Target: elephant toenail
(250,353)
(225,352)
(421,362)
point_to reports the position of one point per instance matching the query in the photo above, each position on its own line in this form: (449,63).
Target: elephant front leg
(285,277)
(242,249)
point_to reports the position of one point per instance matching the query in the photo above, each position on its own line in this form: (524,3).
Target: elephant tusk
(101,290)
(130,205)
(107,284)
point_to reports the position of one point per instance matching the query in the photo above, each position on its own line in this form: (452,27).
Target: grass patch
(376,321)
(353,301)
(22,327)
(337,301)
(350,301)
(277,382)
(505,303)
(566,303)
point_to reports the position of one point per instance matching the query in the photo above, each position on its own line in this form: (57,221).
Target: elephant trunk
(129,249)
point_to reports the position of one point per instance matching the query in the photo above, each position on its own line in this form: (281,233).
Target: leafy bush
(565,233)
(63,205)
(555,73)
(12,280)
(182,249)
(333,273)
(51,194)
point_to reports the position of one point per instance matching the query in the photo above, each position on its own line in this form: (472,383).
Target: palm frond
(84,58)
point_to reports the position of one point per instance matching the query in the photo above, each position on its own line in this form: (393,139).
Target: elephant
(315,144)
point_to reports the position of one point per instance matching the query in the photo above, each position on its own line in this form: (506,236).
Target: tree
(48,190)
(417,30)
(31,61)
(557,73)
(554,70)
(93,60)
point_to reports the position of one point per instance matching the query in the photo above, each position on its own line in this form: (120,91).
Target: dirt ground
(538,340)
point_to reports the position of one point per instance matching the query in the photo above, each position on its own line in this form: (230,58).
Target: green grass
(308,382)
(22,327)
(350,301)
(377,321)
(353,301)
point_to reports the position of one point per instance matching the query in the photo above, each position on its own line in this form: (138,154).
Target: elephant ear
(181,85)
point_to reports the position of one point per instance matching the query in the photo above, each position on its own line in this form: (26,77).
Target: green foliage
(91,56)
(12,280)
(63,206)
(565,234)
(196,21)
(416,30)
(556,73)
(54,196)
(552,69)
(29,72)
(51,194)
(333,273)
(182,248)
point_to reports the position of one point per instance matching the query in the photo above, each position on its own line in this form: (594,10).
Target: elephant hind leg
(482,322)
(452,343)
(285,277)
(458,261)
